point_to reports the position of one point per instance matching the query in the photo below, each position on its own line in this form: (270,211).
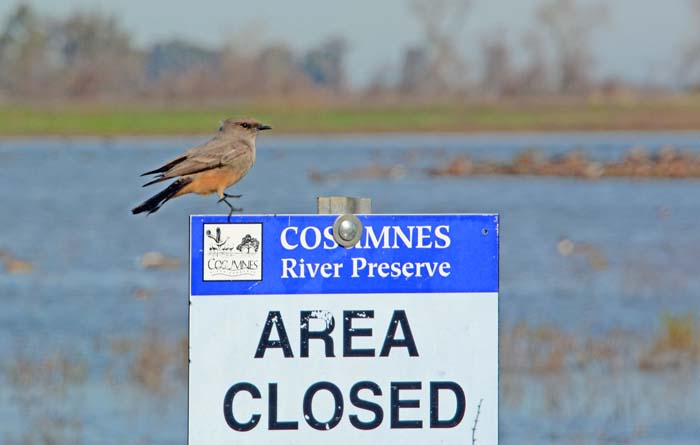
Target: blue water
(65,207)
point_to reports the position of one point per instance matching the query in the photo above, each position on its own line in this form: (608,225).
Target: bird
(211,167)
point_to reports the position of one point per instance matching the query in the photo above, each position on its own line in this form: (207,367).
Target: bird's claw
(231,208)
(229,196)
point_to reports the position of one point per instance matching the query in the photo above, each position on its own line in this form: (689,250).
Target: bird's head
(245,126)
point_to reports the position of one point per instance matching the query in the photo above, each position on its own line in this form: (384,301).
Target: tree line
(91,56)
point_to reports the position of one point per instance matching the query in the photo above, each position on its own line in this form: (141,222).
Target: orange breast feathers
(211,181)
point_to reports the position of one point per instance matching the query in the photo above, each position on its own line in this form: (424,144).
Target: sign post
(296,339)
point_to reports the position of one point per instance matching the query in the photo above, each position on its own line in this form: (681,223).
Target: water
(86,361)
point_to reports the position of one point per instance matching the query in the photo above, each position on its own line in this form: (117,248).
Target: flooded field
(600,295)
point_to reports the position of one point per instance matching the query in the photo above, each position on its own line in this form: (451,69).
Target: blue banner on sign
(296,254)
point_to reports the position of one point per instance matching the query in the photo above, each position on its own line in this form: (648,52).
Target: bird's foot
(232,208)
(228,196)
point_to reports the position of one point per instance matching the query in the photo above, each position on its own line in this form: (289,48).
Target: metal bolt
(347,230)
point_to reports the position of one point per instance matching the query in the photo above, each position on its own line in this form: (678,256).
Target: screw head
(347,229)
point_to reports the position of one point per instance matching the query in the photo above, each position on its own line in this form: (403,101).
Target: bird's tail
(153,203)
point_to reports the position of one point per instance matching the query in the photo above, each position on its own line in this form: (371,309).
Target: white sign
(392,341)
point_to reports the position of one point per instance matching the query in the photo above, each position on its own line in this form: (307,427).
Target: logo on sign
(232,252)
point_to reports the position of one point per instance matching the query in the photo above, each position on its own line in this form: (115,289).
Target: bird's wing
(194,165)
(203,157)
(167,166)
(240,151)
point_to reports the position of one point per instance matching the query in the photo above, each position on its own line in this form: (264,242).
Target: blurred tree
(88,45)
(380,84)
(238,69)
(324,65)
(442,22)
(689,69)
(176,57)
(85,36)
(503,77)
(23,45)
(533,79)
(498,75)
(571,27)
(415,70)
(279,71)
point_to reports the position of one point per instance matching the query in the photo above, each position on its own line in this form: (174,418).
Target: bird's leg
(232,208)
(226,195)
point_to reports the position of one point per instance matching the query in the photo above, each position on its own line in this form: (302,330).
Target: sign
(294,339)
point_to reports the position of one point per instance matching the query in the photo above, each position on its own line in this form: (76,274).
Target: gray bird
(211,167)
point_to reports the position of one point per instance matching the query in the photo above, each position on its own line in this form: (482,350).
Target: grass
(677,342)
(55,372)
(151,364)
(522,115)
(535,350)
(679,333)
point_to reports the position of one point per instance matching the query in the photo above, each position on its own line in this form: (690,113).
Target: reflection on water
(599,299)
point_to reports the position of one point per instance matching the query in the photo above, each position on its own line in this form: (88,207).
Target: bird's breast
(213,181)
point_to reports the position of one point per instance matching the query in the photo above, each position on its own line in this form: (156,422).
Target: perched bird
(211,167)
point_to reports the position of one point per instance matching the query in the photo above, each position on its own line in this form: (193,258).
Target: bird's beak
(264,127)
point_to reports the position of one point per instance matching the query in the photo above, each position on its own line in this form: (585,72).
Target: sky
(641,40)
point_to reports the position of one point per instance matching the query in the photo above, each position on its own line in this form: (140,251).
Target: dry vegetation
(38,382)
(668,162)
(50,431)
(637,163)
(677,343)
(55,372)
(158,260)
(157,361)
(15,266)
(151,362)
(545,350)
(614,377)
(530,355)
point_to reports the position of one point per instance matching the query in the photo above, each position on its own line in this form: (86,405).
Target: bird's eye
(245,125)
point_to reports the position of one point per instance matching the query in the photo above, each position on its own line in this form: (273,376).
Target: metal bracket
(347,228)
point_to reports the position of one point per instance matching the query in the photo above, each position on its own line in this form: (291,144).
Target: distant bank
(677,113)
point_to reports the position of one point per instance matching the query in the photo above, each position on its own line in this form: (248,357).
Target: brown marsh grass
(547,350)
(676,343)
(50,431)
(37,385)
(150,365)
(156,361)
(536,350)
(668,162)
(15,266)
(54,372)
